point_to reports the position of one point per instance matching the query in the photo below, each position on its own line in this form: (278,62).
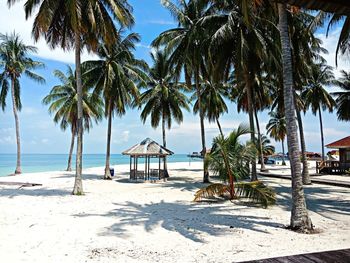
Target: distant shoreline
(38,163)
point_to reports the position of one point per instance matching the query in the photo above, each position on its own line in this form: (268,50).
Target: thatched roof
(341,7)
(148,147)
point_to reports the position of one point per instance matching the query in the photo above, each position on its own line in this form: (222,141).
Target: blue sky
(40,135)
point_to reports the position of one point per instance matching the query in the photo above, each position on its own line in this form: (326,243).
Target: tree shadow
(189,220)
(90,176)
(320,199)
(10,192)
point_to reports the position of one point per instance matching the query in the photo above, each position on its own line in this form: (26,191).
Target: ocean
(58,162)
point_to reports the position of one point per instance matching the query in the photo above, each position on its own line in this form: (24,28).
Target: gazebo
(146,150)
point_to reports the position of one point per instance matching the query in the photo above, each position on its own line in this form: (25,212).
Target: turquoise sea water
(58,162)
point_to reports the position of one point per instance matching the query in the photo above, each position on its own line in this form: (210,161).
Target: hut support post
(159,168)
(146,165)
(130,167)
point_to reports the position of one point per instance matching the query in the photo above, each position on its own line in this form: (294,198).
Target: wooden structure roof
(342,143)
(147,147)
(341,7)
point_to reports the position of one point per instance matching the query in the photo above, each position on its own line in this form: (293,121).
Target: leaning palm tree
(164,100)
(63,104)
(116,76)
(66,24)
(343,97)
(276,127)
(14,63)
(316,96)
(300,219)
(229,159)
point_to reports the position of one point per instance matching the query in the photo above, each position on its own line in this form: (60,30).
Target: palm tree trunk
(164,143)
(78,184)
(201,116)
(262,164)
(219,125)
(18,138)
(69,165)
(283,153)
(300,219)
(108,175)
(251,120)
(321,128)
(305,173)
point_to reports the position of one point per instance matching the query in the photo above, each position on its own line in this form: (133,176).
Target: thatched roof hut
(147,147)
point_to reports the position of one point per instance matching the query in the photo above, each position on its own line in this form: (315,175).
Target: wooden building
(337,167)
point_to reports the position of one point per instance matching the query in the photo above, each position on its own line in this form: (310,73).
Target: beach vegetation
(15,62)
(229,159)
(117,77)
(63,105)
(165,97)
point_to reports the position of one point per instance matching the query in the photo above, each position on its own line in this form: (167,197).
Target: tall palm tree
(14,63)
(300,219)
(276,127)
(186,45)
(65,24)
(316,96)
(116,75)
(242,39)
(163,100)
(212,95)
(343,97)
(63,104)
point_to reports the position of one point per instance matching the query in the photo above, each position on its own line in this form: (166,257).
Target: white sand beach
(123,221)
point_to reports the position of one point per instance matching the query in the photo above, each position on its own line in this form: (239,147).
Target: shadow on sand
(321,199)
(189,220)
(10,192)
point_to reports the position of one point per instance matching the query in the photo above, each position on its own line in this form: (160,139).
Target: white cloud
(13,19)
(44,141)
(120,137)
(161,22)
(330,43)
(29,111)
(143,46)
(7,140)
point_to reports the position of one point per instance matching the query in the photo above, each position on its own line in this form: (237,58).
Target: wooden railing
(331,167)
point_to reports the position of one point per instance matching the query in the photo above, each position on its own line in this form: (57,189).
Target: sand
(122,221)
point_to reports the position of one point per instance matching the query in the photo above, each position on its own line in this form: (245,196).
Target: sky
(39,134)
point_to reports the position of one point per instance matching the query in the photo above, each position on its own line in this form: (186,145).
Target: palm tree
(300,219)
(316,96)
(242,39)
(266,148)
(14,63)
(163,100)
(343,41)
(212,95)
(65,24)
(230,160)
(63,104)
(343,97)
(276,127)
(185,43)
(116,75)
